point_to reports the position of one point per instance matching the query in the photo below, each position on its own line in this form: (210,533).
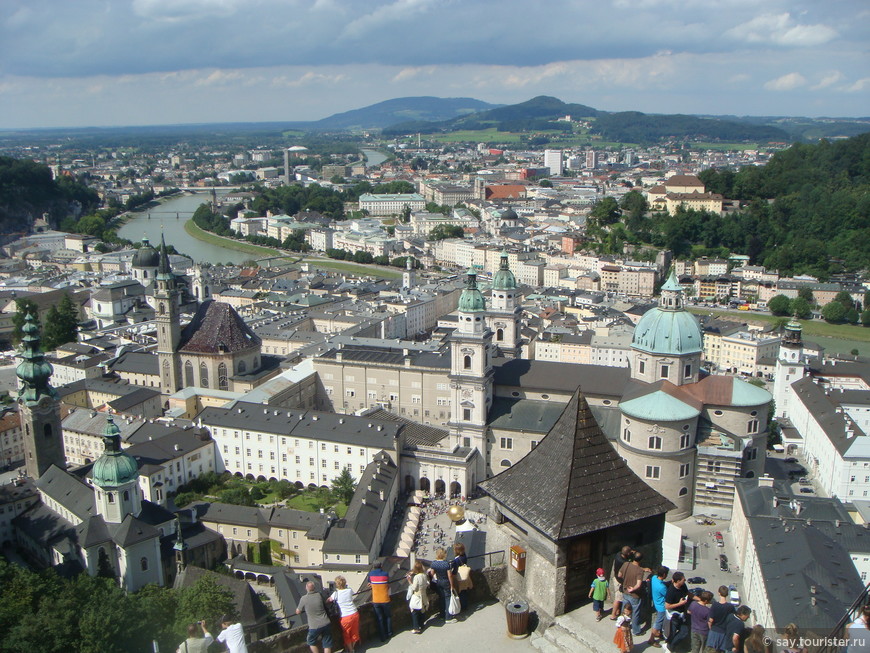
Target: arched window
(499,334)
(750,474)
(166,369)
(126,495)
(655,442)
(47,431)
(144,564)
(203,375)
(242,367)
(162,308)
(188,374)
(466,362)
(223,384)
(505,463)
(110,496)
(684,491)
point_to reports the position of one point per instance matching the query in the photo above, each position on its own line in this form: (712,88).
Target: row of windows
(655,442)
(665,370)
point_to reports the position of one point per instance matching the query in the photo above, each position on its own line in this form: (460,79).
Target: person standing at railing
(343,597)
(858,632)
(379,581)
(418,596)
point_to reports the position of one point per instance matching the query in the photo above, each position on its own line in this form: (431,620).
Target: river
(170,216)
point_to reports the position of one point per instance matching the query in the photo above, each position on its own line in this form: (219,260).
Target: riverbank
(229,243)
(119,220)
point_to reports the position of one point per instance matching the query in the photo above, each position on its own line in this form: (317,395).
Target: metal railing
(839,630)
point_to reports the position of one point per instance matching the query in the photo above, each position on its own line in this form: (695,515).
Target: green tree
(865,317)
(853,316)
(442,231)
(834,312)
(845,299)
(801,307)
(405,215)
(606,211)
(239,496)
(23,306)
(61,324)
(205,599)
(545,183)
(806,293)
(779,305)
(343,486)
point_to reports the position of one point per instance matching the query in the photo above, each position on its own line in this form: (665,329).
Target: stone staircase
(570,634)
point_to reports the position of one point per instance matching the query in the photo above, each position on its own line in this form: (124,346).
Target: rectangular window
(666,370)
(687,372)
(323,446)
(466,414)
(283,457)
(311,461)
(685,438)
(507,443)
(752,426)
(641,367)
(684,470)
(653,471)
(247,452)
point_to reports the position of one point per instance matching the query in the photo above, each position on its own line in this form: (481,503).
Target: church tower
(409,276)
(168,324)
(789,366)
(38,406)
(201,285)
(504,314)
(471,373)
(116,477)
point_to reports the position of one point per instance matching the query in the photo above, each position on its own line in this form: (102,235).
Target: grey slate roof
(136,362)
(217,328)
(173,444)
(415,434)
(132,531)
(68,491)
(582,470)
(823,408)
(523,414)
(313,523)
(565,377)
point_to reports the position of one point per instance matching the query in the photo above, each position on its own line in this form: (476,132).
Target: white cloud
(220,77)
(413,71)
(860,85)
(781,29)
(787,82)
(828,80)
(308,78)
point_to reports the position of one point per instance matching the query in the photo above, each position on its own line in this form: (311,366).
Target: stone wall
(488,584)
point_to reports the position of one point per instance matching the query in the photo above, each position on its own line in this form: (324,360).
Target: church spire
(164,270)
(34,371)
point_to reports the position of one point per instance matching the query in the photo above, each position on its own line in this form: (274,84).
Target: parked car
(697,580)
(791,460)
(805,481)
(733,595)
(720,541)
(723,562)
(808,490)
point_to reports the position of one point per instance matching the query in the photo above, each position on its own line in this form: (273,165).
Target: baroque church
(687,434)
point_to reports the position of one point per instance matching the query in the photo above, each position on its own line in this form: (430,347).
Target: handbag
(454,607)
(464,573)
(331,608)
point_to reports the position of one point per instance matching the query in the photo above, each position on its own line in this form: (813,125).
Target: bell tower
(38,405)
(471,373)
(789,366)
(504,314)
(409,276)
(168,324)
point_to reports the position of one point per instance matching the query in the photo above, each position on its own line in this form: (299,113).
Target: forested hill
(27,190)
(806,211)
(542,114)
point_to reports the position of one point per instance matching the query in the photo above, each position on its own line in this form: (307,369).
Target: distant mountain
(406,109)
(542,114)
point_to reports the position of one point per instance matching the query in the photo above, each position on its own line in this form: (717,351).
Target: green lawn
(809,327)
(308,502)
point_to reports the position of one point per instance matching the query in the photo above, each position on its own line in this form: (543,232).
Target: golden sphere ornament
(456,513)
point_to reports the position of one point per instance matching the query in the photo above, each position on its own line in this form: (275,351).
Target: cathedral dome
(668,329)
(504,279)
(146,256)
(471,300)
(114,468)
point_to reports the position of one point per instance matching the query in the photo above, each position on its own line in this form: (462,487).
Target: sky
(69,63)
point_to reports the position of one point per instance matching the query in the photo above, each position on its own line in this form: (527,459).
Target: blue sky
(137,62)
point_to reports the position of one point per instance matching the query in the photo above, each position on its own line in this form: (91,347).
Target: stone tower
(504,313)
(471,373)
(168,324)
(201,285)
(39,406)
(789,366)
(409,276)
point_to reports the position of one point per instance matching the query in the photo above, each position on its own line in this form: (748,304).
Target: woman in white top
(343,597)
(418,598)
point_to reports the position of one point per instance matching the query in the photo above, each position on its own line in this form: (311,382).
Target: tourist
(319,625)
(379,581)
(616,580)
(233,635)
(792,637)
(418,596)
(858,632)
(658,590)
(755,641)
(735,628)
(633,577)
(699,612)
(623,638)
(440,572)
(719,613)
(343,597)
(598,592)
(677,600)
(461,574)
(194,643)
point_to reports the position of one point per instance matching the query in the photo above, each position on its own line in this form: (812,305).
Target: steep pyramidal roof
(217,329)
(574,482)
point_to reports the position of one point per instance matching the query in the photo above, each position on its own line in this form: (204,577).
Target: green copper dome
(668,329)
(504,279)
(33,370)
(114,468)
(471,300)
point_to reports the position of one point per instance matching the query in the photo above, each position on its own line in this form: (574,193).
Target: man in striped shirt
(379,581)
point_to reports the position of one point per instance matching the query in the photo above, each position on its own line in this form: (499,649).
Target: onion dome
(504,279)
(146,256)
(114,468)
(33,370)
(471,300)
(668,329)
(792,335)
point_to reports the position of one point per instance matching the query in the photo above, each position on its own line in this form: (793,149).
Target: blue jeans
(444,594)
(635,613)
(417,619)
(385,620)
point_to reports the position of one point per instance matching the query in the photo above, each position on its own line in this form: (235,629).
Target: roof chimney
(765,481)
